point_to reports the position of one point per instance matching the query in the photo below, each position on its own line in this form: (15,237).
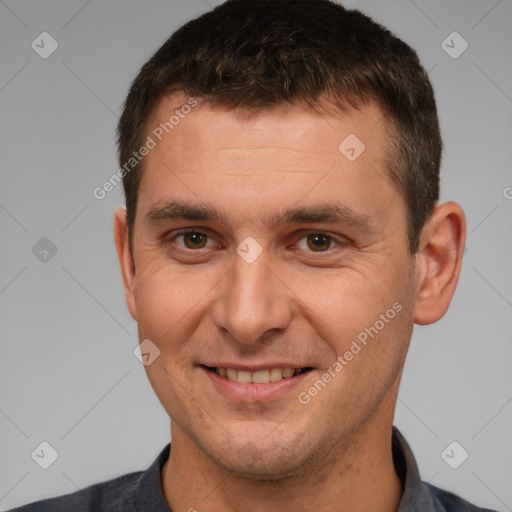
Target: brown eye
(319,242)
(194,240)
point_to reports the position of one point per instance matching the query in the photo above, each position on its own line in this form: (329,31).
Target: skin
(293,304)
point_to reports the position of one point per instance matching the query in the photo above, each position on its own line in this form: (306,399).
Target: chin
(249,462)
(257,456)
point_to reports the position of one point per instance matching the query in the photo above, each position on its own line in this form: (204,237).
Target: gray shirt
(142,491)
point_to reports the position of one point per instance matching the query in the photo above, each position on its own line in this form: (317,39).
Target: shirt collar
(415,495)
(150,493)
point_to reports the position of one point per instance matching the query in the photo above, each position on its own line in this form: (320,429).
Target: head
(284,214)
(307,52)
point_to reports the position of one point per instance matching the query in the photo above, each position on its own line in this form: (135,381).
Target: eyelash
(338,243)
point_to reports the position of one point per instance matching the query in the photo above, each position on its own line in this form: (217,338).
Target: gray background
(68,373)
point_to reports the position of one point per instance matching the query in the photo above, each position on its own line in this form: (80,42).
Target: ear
(438,262)
(125,257)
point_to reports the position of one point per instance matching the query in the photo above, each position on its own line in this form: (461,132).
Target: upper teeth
(259,377)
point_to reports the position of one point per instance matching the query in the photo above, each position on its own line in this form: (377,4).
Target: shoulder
(445,501)
(141,490)
(422,496)
(115,495)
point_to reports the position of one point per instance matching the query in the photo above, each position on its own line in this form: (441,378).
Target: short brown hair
(256,54)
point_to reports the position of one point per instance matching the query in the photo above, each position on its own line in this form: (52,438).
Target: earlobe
(438,262)
(125,257)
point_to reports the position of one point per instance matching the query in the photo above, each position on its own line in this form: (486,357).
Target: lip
(250,392)
(254,367)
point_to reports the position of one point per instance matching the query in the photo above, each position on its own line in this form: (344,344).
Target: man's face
(334,261)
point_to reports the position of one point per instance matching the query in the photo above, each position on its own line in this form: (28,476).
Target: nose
(252,302)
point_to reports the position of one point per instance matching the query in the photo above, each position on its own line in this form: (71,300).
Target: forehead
(209,153)
(286,126)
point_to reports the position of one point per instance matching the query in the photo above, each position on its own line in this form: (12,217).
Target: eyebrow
(176,210)
(331,213)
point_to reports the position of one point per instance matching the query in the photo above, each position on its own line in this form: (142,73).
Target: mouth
(263,376)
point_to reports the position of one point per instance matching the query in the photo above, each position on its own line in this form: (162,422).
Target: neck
(358,476)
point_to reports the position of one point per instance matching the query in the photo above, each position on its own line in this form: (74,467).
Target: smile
(257,377)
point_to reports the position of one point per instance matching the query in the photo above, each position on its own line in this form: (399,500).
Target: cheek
(169,300)
(342,304)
